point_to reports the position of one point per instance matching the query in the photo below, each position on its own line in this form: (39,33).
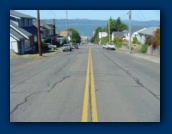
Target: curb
(142,56)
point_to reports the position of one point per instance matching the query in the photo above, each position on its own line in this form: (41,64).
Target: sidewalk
(152,58)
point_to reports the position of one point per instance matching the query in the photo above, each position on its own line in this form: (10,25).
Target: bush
(135,40)
(105,40)
(148,40)
(117,39)
(118,44)
(144,48)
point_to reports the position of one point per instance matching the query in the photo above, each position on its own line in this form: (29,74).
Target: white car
(111,46)
(104,46)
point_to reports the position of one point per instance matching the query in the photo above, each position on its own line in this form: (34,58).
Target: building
(118,34)
(47,29)
(22,32)
(102,34)
(66,34)
(142,34)
(134,32)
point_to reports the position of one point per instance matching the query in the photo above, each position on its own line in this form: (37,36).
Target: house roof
(148,31)
(134,29)
(19,15)
(119,34)
(16,34)
(22,31)
(65,33)
(42,24)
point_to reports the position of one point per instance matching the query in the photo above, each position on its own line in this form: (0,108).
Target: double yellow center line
(89,88)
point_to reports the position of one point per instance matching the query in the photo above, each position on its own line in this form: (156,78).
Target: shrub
(117,39)
(144,48)
(148,40)
(118,44)
(105,40)
(135,40)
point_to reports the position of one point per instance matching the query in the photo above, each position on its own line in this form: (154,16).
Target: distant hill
(86,26)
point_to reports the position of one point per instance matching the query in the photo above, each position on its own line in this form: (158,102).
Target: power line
(144,18)
(52,13)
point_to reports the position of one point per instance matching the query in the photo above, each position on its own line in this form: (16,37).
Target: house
(84,39)
(22,32)
(142,34)
(102,34)
(134,32)
(67,34)
(47,29)
(118,34)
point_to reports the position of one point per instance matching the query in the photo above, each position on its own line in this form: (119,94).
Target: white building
(134,32)
(102,34)
(142,34)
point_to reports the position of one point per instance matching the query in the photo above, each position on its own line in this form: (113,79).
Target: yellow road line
(93,96)
(94,116)
(86,93)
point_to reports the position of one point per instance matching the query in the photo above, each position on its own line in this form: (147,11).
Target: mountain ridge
(87,27)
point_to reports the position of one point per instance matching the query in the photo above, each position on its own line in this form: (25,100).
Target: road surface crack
(26,98)
(58,82)
(134,78)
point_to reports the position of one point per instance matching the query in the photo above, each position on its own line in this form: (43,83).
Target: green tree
(75,36)
(95,38)
(155,40)
(115,25)
(112,26)
(119,26)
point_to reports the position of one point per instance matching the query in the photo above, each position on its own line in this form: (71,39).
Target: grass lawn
(36,56)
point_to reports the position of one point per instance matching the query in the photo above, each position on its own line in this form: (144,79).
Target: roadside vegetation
(151,40)
(118,42)
(75,36)
(115,25)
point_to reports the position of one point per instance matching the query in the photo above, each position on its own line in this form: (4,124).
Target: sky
(142,15)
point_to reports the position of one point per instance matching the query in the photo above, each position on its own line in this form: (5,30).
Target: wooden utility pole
(109,30)
(54,21)
(67,25)
(39,35)
(130,30)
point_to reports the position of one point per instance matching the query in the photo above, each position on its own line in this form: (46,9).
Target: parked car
(67,47)
(75,46)
(110,46)
(51,46)
(104,46)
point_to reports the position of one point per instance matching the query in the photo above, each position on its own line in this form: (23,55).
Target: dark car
(51,46)
(75,46)
(67,47)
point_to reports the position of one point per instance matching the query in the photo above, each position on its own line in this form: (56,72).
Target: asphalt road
(127,89)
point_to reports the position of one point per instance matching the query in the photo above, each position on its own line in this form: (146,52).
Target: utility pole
(54,32)
(54,21)
(67,25)
(109,30)
(39,35)
(130,30)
